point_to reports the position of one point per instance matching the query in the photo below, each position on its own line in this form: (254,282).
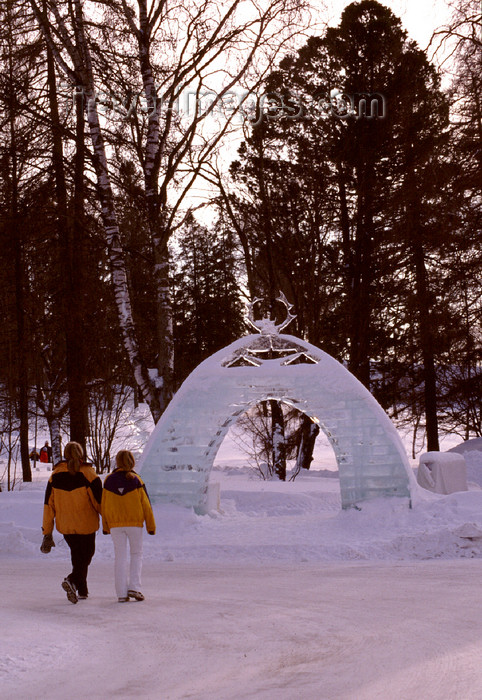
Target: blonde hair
(126,462)
(74,456)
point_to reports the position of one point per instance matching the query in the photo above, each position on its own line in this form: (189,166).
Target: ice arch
(178,457)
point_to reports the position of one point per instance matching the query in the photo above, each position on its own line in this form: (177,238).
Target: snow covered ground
(278,596)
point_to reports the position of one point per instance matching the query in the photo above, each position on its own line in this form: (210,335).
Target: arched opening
(250,443)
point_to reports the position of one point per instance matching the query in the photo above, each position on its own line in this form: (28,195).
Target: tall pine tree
(208,312)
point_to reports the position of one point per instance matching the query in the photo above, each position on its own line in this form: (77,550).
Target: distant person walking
(46,453)
(73,500)
(125,508)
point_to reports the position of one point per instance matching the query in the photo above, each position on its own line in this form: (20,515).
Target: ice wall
(177,460)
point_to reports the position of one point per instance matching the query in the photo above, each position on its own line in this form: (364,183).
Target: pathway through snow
(341,631)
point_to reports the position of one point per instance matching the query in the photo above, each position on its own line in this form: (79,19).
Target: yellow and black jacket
(73,501)
(125,503)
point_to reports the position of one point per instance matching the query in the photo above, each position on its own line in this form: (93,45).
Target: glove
(47,544)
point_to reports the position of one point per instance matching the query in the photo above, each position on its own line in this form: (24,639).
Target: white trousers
(127,577)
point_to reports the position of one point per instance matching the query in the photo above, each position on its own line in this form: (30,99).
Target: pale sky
(419,17)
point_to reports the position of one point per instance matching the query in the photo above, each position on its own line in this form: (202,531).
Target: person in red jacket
(46,453)
(125,508)
(72,500)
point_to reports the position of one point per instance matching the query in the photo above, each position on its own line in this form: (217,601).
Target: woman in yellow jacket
(72,500)
(125,508)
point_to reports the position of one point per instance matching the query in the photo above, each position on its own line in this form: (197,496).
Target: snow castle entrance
(178,457)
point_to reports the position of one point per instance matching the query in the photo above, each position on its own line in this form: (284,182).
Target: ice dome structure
(178,457)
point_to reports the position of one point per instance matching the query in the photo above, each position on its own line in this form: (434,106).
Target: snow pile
(277,522)
(473,461)
(472,453)
(473,445)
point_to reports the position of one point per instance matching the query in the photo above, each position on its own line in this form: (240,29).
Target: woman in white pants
(125,508)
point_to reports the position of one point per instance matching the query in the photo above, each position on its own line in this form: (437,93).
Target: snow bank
(473,460)
(276,522)
(474,445)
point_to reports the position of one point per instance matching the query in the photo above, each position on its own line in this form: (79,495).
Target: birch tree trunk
(55,439)
(149,390)
(82,79)
(155,203)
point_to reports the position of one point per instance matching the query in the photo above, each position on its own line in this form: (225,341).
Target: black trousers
(82,549)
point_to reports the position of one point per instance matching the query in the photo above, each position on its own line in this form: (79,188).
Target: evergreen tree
(354,134)
(208,313)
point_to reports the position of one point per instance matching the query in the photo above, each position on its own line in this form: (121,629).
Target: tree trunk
(165,362)
(70,247)
(55,440)
(309,432)
(74,281)
(20,282)
(22,377)
(424,304)
(164,379)
(348,272)
(427,347)
(360,340)
(278,440)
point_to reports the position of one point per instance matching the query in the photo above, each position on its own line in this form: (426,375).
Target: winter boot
(69,588)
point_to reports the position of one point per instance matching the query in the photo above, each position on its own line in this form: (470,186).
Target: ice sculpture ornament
(266,326)
(178,457)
